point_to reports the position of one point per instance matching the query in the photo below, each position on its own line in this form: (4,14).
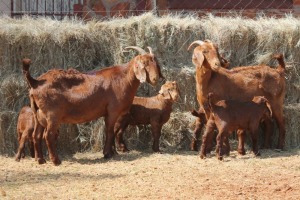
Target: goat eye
(205,51)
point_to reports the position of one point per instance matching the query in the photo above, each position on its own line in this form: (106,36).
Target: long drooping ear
(165,94)
(140,72)
(269,107)
(198,58)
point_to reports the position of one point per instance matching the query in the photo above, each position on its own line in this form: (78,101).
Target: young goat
(25,129)
(231,115)
(151,110)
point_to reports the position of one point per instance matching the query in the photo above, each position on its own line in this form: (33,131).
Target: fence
(102,9)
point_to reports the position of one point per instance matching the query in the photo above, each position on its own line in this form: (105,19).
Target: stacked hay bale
(94,45)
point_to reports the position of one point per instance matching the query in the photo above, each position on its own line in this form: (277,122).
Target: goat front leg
(254,136)
(156,132)
(208,133)
(108,150)
(21,148)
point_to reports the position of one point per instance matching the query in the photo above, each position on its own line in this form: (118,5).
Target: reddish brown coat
(149,110)
(60,96)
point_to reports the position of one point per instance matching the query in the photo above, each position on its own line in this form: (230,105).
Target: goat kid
(149,110)
(231,115)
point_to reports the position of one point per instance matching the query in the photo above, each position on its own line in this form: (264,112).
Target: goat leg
(196,135)
(21,150)
(241,139)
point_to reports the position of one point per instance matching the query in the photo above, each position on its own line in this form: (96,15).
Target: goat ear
(269,107)
(165,94)
(198,58)
(140,71)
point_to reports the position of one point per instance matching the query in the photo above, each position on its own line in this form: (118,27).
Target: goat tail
(30,80)
(195,113)
(280,59)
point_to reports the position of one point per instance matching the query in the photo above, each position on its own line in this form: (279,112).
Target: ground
(143,175)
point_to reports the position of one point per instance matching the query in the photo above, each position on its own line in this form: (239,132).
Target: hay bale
(94,45)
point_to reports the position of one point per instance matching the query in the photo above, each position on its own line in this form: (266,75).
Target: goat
(241,83)
(230,115)
(201,118)
(68,96)
(200,121)
(25,127)
(149,110)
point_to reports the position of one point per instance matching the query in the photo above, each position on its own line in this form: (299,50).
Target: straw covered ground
(93,45)
(143,175)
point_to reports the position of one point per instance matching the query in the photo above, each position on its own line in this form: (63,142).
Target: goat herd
(230,100)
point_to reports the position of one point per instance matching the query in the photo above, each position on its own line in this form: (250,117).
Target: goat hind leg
(196,135)
(21,148)
(51,134)
(37,136)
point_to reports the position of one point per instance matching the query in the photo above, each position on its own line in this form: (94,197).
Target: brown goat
(149,110)
(241,83)
(201,118)
(68,96)
(200,121)
(25,127)
(231,115)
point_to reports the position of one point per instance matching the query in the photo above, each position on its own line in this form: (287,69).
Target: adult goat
(241,83)
(68,96)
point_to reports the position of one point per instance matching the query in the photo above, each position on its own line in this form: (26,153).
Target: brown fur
(149,110)
(25,127)
(242,83)
(231,115)
(60,96)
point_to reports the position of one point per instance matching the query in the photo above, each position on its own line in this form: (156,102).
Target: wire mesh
(103,9)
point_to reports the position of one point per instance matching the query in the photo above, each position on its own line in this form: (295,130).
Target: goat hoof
(220,157)
(57,162)
(108,155)
(123,149)
(41,161)
(17,159)
(242,152)
(202,156)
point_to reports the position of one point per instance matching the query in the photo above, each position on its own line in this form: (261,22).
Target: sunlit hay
(68,139)
(292,114)
(96,44)
(177,132)
(91,135)
(14,92)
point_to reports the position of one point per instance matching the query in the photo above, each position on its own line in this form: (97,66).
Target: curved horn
(199,42)
(150,50)
(139,49)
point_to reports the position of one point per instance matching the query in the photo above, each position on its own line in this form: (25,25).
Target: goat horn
(150,50)
(199,42)
(139,49)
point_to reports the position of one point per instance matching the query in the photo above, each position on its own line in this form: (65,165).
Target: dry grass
(86,46)
(141,175)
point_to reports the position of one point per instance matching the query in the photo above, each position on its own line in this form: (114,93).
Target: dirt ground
(143,175)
